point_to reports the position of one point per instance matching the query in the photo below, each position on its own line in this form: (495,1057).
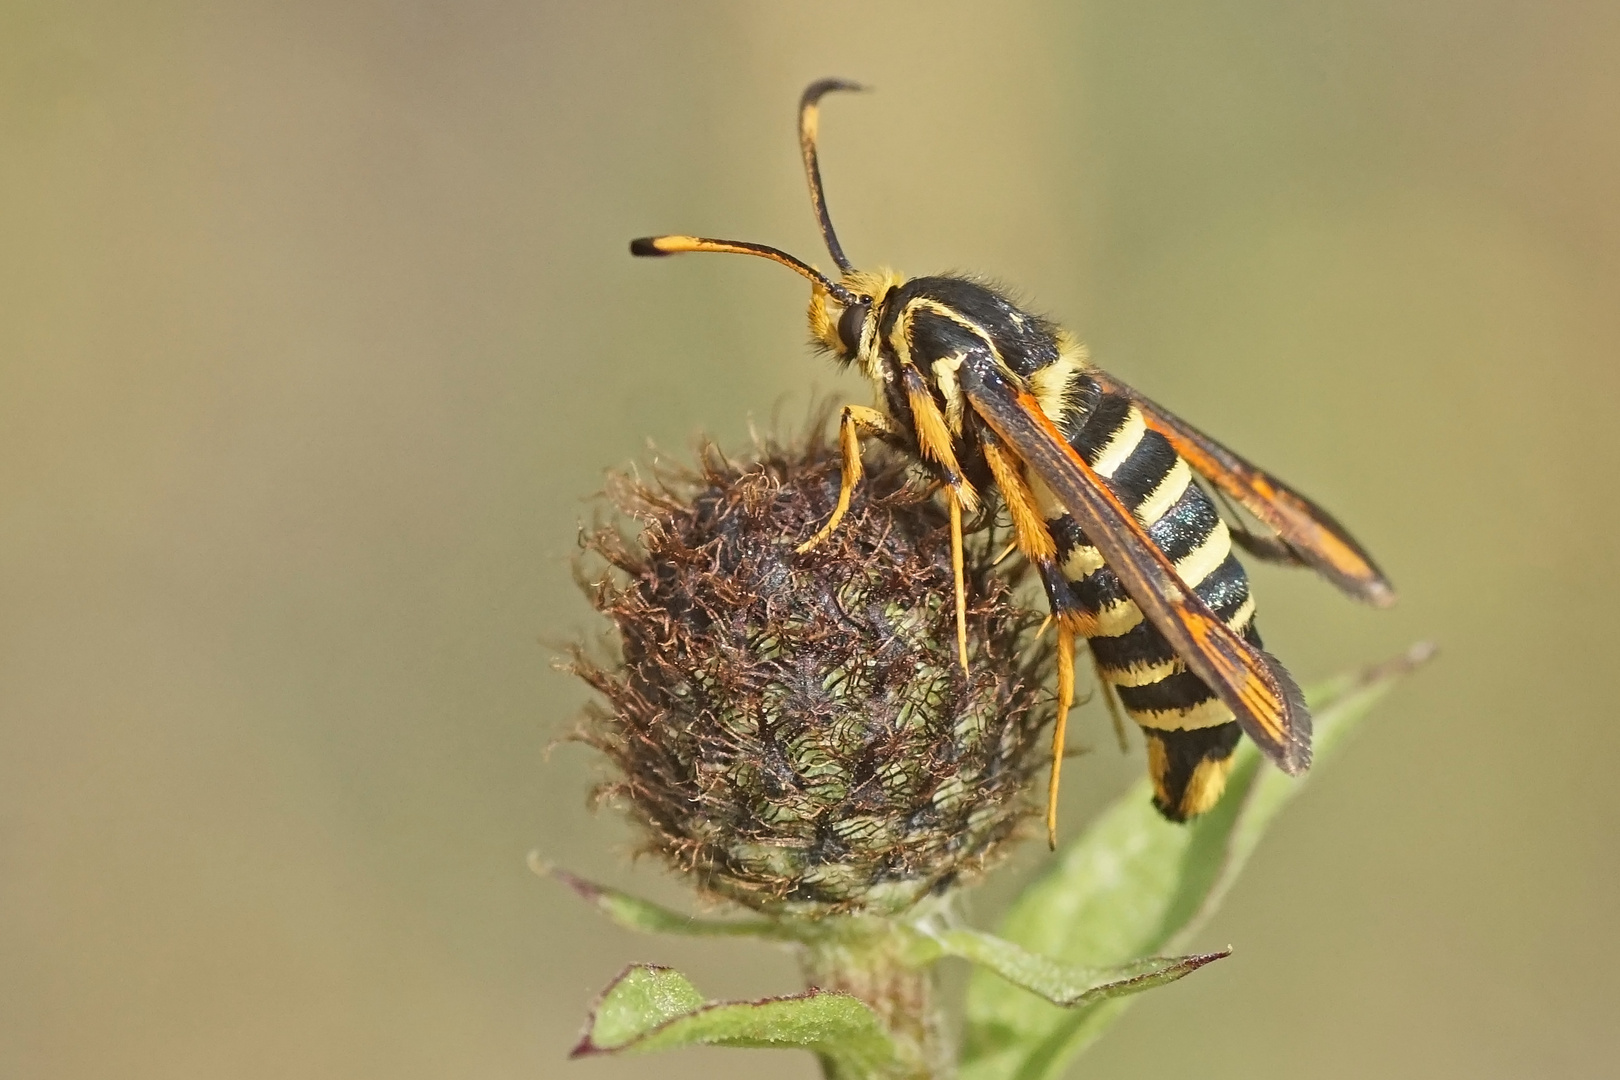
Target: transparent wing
(1309,533)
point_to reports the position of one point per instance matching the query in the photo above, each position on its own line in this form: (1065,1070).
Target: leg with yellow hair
(857,420)
(1060,728)
(955,503)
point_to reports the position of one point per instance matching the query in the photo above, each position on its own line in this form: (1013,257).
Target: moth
(1101,485)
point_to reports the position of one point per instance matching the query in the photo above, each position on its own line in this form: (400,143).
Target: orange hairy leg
(855,421)
(1060,728)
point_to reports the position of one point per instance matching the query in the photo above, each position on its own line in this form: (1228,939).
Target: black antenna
(809,119)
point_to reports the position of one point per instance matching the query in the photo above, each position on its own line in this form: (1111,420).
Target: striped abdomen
(1190,732)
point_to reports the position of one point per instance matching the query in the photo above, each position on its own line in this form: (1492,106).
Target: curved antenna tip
(815,91)
(809,123)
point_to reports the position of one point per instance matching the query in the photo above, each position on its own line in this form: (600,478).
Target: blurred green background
(317,330)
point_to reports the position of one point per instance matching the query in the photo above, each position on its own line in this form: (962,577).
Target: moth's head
(848,328)
(844,313)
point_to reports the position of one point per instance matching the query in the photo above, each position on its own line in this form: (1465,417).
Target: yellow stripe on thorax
(1053,385)
(943,368)
(900,335)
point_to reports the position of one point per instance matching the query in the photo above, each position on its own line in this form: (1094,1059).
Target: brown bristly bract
(794,730)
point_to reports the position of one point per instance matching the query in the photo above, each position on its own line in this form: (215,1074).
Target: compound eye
(850,324)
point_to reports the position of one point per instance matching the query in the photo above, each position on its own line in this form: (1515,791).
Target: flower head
(794,729)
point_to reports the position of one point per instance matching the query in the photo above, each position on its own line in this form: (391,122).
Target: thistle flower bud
(794,729)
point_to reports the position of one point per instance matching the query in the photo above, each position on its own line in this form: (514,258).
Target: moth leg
(1060,728)
(1034,539)
(936,443)
(955,502)
(856,420)
(1030,534)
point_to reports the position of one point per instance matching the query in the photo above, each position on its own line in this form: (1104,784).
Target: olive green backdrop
(317,330)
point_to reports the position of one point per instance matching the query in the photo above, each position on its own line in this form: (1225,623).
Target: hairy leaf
(1065,984)
(650,1008)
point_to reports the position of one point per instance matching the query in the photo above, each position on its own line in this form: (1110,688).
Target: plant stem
(878,966)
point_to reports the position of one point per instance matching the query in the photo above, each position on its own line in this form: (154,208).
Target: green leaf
(650,1008)
(641,999)
(1135,885)
(634,913)
(1065,984)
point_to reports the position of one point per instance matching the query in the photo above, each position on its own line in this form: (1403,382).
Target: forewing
(1310,532)
(1262,695)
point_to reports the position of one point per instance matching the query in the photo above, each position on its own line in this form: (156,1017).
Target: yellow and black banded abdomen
(1190,732)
